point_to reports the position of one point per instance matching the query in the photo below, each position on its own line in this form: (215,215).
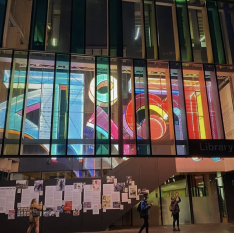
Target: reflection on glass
(115,28)
(179,114)
(5,76)
(78,26)
(39,97)
(160,108)
(58,26)
(215,32)
(198,29)
(183,30)
(213,102)
(3,5)
(103,102)
(60,105)
(116,113)
(196,102)
(132,29)
(38,25)
(150,29)
(141,107)
(96,27)
(225,85)
(226,15)
(13,129)
(81,107)
(128,106)
(18,20)
(166,40)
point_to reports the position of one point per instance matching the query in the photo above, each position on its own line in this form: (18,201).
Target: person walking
(175,209)
(34,221)
(144,213)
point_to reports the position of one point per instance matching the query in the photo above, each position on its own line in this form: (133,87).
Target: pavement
(193,228)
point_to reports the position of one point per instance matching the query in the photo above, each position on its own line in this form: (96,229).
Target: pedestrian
(175,209)
(144,213)
(34,216)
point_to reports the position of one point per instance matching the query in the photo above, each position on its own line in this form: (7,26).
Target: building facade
(114,77)
(87,84)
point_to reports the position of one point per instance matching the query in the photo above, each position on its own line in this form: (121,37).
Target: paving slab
(193,228)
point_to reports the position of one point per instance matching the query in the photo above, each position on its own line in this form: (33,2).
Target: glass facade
(196,31)
(63,104)
(83,77)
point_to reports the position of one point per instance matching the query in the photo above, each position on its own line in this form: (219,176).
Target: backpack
(139,207)
(170,208)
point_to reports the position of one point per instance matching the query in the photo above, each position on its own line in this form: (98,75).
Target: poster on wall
(107,189)
(21,184)
(38,186)
(95,209)
(119,187)
(96,199)
(88,193)
(28,195)
(87,205)
(60,184)
(124,197)
(67,206)
(11,214)
(52,197)
(128,180)
(96,185)
(132,191)
(18,213)
(110,179)
(50,212)
(144,191)
(76,213)
(78,186)
(76,199)
(116,205)
(59,209)
(7,199)
(106,202)
(68,192)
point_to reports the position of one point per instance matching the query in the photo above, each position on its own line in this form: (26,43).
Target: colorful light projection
(158,106)
(42,97)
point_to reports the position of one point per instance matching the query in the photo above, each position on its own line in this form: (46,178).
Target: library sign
(211,147)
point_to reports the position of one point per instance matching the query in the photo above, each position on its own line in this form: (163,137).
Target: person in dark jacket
(175,209)
(145,213)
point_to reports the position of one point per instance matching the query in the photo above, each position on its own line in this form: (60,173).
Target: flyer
(11,214)
(7,199)
(116,205)
(67,206)
(76,213)
(60,184)
(124,197)
(96,185)
(110,179)
(119,187)
(95,209)
(21,184)
(38,186)
(78,186)
(52,197)
(28,195)
(106,202)
(128,180)
(132,191)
